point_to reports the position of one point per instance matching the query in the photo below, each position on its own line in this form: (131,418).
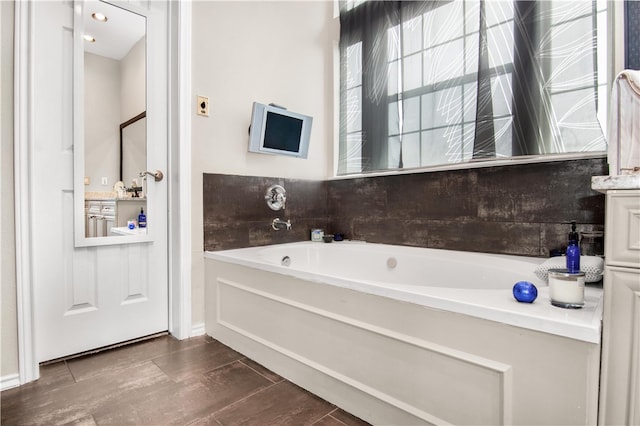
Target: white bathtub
(475,284)
(398,335)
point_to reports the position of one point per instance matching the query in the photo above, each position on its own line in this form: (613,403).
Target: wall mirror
(110,140)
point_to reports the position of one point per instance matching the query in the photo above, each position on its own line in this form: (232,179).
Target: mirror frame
(80,238)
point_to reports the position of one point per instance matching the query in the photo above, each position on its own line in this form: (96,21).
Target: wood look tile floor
(165,381)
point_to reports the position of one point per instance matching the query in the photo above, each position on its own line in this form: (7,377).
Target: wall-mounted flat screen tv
(275,130)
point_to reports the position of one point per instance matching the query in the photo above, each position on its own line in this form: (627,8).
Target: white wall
(9,321)
(133,81)
(265,51)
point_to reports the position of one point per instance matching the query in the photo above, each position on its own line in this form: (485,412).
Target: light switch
(203,106)
(104,180)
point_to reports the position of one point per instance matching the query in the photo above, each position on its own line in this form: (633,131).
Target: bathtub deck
(497,305)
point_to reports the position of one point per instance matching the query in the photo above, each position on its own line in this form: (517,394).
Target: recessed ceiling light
(99,17)
(89,38)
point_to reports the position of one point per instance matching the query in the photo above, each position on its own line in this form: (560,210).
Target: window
(429,83)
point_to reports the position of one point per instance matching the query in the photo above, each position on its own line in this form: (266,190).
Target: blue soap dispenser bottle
(573,251)
(142,219)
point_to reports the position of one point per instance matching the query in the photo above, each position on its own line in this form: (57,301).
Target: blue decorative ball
(525,292)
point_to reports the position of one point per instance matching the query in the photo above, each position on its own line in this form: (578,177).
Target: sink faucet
(277,224)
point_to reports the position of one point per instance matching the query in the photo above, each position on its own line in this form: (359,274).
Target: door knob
(157,176)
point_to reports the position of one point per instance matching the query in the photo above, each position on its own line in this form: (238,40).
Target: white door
(88,297)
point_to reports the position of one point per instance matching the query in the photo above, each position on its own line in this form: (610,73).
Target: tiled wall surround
(236,214)
(518,209)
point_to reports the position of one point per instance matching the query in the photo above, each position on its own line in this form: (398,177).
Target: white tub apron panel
(390,361)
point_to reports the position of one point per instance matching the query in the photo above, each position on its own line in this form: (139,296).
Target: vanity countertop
(109,196)
(115,199)
(124,230)
(605,183)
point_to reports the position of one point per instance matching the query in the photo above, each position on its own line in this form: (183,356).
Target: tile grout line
(259,373)
(115,370)
(327,415)
(243,399)
(335,418)
(125,346)
(197,374)
(73,376)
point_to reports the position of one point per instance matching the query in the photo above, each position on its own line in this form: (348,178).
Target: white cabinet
(102,215)
(620,373)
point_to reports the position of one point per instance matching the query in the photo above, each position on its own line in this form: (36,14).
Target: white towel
(592,266)
(624,124)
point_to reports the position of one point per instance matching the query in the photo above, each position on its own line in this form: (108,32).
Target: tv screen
(282,132)
(275,130)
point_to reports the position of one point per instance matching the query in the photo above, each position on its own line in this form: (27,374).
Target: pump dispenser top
(573,250)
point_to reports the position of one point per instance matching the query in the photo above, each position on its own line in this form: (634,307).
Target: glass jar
(592,243)
(566,289)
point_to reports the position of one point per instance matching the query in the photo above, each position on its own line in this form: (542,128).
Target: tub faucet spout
(278,224)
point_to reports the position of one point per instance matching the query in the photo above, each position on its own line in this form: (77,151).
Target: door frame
(179,178)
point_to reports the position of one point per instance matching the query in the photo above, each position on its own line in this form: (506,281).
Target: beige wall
(264,51)
(9,326)
(133,95)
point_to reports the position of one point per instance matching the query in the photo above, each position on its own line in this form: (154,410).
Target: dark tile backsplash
(236,214)
(518,209)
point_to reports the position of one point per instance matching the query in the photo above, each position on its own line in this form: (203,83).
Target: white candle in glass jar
(566,290)
(316,235)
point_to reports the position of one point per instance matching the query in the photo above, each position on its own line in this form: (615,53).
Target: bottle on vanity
(142,219)
(573,250)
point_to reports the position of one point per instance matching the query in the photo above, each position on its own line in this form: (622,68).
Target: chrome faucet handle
(275,222)
(276,197)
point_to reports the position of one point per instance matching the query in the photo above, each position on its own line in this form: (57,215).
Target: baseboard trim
(198,330)
(9,381)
